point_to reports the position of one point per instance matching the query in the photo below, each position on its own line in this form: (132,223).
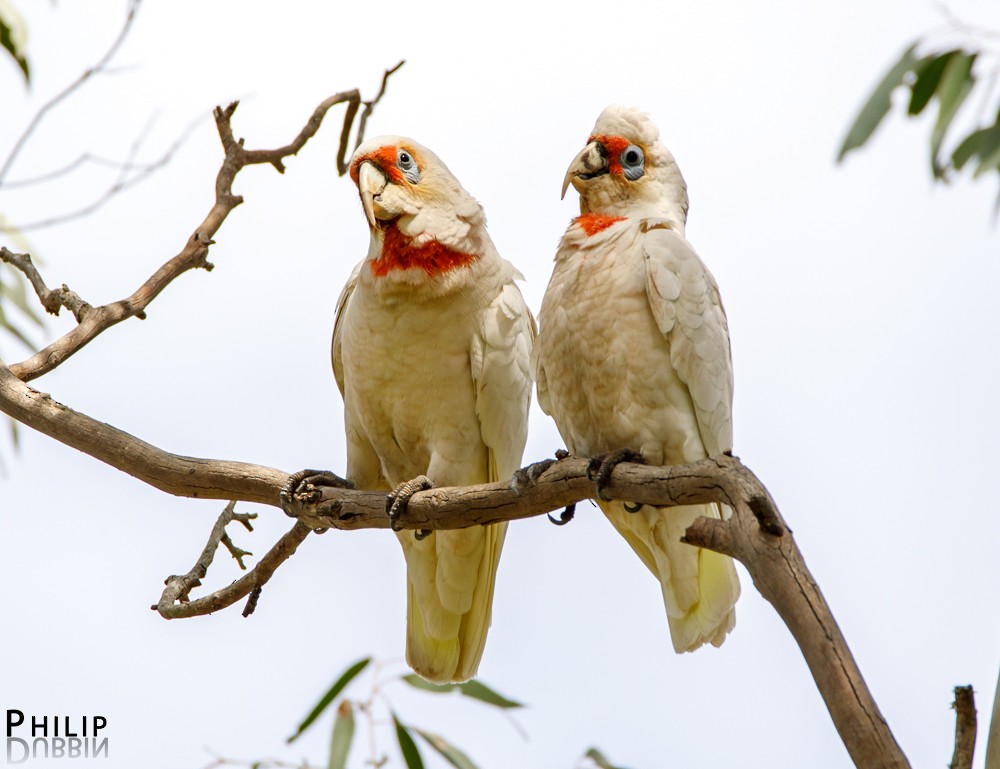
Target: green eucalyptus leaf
(16,290)
(600,759)
(411,755)
(15,434)
(928,76)
(990,157)
(449,752)
(13,330)
(343,733)
(419,683)
(956,84)
(879,103)
(982,143)
(480,691)
(12,40)
(346,677)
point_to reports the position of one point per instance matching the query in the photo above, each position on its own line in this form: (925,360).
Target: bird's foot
(565,516)
(304,486)
(396,502)
(527,476)
(600,468)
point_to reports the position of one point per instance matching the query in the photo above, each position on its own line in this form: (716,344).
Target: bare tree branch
(363,121)
(130,174)
(92,321)
(172,473)
(87,74)
(52,300)
(175,602)
(965,728)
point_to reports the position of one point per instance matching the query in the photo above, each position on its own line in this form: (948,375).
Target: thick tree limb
(92,321)
(172,473)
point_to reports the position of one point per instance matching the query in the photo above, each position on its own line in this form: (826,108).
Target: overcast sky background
(864,319)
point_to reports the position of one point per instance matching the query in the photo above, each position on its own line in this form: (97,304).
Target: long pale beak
(371,183)
(591,162)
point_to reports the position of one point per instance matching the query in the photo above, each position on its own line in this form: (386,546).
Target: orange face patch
(399,253)
(384,158)
(615,145)
(594,223)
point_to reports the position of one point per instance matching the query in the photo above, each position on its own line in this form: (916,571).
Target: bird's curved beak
(371,183)
(591,162)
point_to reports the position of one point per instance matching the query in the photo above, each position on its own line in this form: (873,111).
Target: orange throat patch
(592,224)
(399,253)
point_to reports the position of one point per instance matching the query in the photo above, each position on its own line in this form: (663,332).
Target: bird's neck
(401,252)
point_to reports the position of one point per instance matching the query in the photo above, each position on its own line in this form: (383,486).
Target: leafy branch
(944,77)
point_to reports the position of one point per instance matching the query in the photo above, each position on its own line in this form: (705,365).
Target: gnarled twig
(175,603)
(965,728)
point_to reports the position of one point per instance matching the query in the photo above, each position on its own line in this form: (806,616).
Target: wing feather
(685,302)
(501,362)
(342,302)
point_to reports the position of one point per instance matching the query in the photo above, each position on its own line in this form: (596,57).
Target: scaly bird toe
(303,487)
(396,502)
(600,468)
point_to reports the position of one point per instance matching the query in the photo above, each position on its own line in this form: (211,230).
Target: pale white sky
(862,306)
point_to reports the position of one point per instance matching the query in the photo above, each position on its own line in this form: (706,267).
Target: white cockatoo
(431,351)
(633,352)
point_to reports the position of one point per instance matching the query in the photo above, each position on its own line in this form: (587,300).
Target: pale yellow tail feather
(699,587)
(450,580)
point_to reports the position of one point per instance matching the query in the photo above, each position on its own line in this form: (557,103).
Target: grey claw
(396,502)
(565,516)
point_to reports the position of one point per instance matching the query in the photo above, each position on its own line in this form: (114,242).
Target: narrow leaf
(408,747)
(449,752)
(480,691)
(347,676)
(981,143)
(990,159)
(15,435)
(343,733)
(12,39)
(598,758)
(16,291)
(878,103)
(13,330)
(928,76)
(956,84)
(418,683)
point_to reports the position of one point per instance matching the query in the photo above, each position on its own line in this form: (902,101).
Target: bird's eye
(406,164)
(633,162)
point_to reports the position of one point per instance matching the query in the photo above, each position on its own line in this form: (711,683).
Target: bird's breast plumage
(608,377)
(401,252)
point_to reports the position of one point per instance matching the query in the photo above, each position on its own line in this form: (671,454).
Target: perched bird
(633,352)
(431,352)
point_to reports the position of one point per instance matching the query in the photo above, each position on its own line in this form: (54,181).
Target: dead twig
(130,173)
(965,728)
(175,601)
(52,300)
(68,90)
